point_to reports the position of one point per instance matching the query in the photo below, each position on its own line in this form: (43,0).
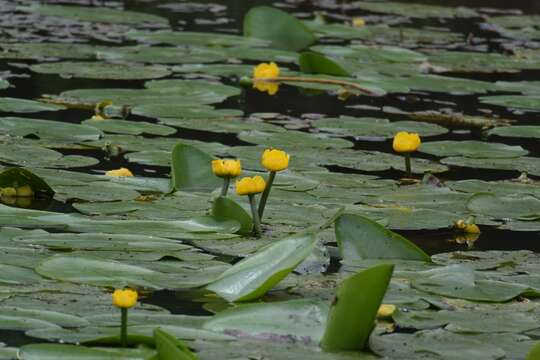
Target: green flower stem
(255,214)
(266,192)
(408,163)
(225,188)
(123,328)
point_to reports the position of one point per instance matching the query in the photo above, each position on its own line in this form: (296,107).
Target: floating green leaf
(25,106)
(273,320)
(472,149)
(95,14)
(101,70)
(62,351)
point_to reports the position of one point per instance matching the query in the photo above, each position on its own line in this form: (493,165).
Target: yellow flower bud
(471,229)
(405,142)
(125,298)
(386,311)
(97,117)
(460,224)
(8,191)
(25,191)
(275,160)
(266,71)
(119,172)
(226,168)
(358,22)
(250,185)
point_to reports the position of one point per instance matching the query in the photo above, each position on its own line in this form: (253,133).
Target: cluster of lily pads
(88,206)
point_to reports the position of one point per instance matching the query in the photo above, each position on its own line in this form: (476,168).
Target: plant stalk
(408,164)
(255,214)
(266,192)
(225,187)
(317,81)
(123,328)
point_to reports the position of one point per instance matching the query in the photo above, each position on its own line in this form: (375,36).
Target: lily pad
(101,70)
(96,14)
(472,149)
(26,106)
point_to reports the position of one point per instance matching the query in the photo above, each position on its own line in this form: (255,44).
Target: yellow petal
(275,160)
(119,172)
(124,298)
(406,142)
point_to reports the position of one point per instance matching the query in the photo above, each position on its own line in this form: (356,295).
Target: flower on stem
(226,168)
(467,226)
(386,311)
(266,71)
(119,172)
(358,22)
(250,185)
(275,160)
(124,298)
(405,142)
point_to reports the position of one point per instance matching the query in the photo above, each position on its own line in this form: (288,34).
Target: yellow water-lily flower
(266,71)
(275,160)
(466,227)
(405,142)
(471,229)
(226,168)
(8,191)
(124,298)
(358,22)
(97,117)
(250,185)
(25,191)
(386,311)
(119,172)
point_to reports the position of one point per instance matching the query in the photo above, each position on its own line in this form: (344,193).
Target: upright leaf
(313,63)
(191,169)
(535,353)
(252,277)
(352,315)
(226,208)
(283,30)
(360,238)
(171,348)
